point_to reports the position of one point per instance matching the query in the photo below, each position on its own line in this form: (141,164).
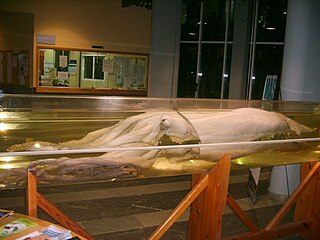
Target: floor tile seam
(138,217)
(115,193)
(242,176)
(106,193)
(246,204)
(145,187)
(110,221)
(94,195)
(165,213)
(120,192)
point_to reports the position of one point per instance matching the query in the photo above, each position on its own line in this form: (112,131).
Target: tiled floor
(132,209)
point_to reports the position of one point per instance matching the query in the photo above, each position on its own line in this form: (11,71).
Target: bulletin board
(88,71)
(15,68)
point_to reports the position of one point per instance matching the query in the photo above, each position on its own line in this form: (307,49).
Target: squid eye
(165,124)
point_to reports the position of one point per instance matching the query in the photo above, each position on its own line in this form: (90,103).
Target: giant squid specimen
(172,127)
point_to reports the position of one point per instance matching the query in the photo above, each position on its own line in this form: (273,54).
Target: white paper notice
(63,75)
(14,61)
(108,65)
(118,60)
(63,61)
(72,69)
(9,67)
(112,77)
(116,69)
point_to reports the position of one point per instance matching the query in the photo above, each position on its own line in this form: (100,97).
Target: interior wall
(16,49)
(81,24)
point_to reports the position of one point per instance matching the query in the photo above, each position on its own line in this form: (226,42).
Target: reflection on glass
(190,18)
(88,66)
(64,126)
(98,71)
(214,22)
(271,20)
(211,68)
(93,67)
(268,61)
(187,70)
(202,74)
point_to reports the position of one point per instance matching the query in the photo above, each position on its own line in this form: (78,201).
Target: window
(69,71)
(92,67)
(207,43)
(266,45)
(205,48)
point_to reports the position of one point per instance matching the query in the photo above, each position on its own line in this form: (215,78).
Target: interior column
(300,79)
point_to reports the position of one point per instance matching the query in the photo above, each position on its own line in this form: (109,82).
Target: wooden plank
(32,193)
(59,216)
(206,211)
(314,232)
(245,219)
(308,205)
(303,209)
(179,210)
(286,207)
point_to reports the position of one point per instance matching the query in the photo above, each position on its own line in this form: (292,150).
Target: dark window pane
(268,61)
(187,70)
(226,80)
(98,64)
(214,20)
(231,21)
(88,66)
(271,20)
(211,69)
(190,18)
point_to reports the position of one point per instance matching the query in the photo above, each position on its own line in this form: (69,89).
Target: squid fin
(299,128)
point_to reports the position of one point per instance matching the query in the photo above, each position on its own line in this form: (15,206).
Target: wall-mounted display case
(84,71)
(80,138)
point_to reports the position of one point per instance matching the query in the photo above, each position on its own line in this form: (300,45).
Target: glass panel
(98,71)
(190,18)
(272,16)
(231,21)
(268,61)
(91,70)
(187,70)
(214,20)
(211,69)
(56,127)
(226,75)
(88,67)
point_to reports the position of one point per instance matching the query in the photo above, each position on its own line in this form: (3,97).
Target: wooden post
(32,193)
(245,219)
(206,211)
(35,199)
(300,191)
(308,203)
(60,217)
(216,194)
(179,210)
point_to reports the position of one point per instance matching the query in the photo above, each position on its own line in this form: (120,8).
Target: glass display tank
(73,139)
